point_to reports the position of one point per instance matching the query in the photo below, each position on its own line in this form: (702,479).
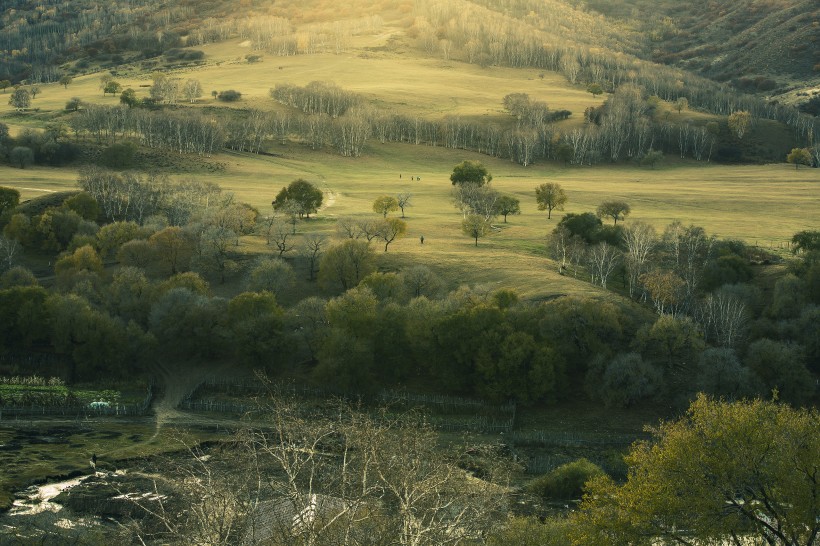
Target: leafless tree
(724,317)
(640,240)
(312,248)
(404,200)
(602,259)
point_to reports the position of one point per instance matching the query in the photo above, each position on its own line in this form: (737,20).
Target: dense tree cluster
(715,329)
(48,147)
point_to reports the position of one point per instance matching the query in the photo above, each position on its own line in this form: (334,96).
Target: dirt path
(176,381)
(330,201)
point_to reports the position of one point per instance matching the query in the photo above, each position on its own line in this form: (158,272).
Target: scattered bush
(177,54)
(229,96)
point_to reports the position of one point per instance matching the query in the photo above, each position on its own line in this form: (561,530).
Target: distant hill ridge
(768,47)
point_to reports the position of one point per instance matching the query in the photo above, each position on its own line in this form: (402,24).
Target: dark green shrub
(565,482)
(229,96)
(118,156)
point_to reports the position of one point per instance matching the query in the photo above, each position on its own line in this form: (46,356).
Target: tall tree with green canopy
(306,196)
(725,473)
(550,196)
(384,204)
(470,172)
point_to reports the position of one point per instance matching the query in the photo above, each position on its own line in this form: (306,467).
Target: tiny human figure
(94,461)
(399,175)
(421,239)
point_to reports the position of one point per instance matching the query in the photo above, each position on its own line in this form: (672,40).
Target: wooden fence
(80,411)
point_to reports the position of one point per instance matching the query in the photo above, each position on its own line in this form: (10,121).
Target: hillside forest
(562,329)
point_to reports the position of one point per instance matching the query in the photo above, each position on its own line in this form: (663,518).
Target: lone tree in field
(739,122)
(725,473)
(390,230)
(799,156)
(617,210)
(404,200)
(470,172)
(550,196)
(5,84)
(384,204)
(20,99)
(595,89)
(300,194)
(112,87)
(65,81)
(475,226)
(507,204)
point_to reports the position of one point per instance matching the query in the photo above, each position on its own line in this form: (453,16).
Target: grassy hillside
(766,46)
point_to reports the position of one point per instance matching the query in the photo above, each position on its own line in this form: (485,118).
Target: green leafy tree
(550,196)
(17,276)
(256,323)
(74,104)
(65,81)
(475,226)
(470,172)
(22,156)
(623,381)
(781,367)
(347,263)
(805,241)
(595,89)
(84,205)
(799,156)
(9,198)
(522,370)
(565,482)
(385,204)
(652,158)
(186,323)
(112,87)
(306,197)
(5,84)
(112,236)
(173,247)
(506,205)
(720,373)
(391,229)
(129,98)
(725,473)
(617,210)
(273,275)
(84,263)
(739,123)
(20,99)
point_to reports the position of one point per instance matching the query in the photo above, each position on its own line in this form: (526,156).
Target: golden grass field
(762,205)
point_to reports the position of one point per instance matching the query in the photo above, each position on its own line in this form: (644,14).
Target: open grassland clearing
(762,205)
(403,84)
